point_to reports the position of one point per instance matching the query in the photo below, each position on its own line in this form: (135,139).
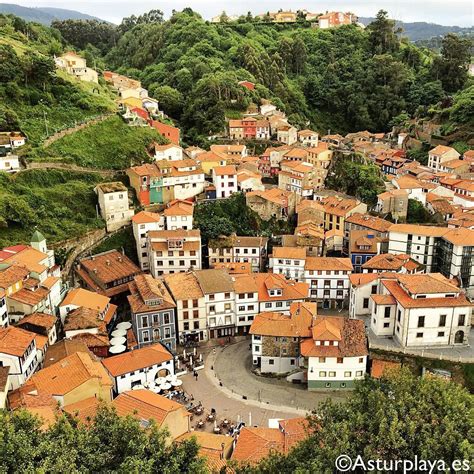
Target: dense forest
(343,79)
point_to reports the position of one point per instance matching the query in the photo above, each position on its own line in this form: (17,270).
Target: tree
(399,416)
(10,66)
(383,35)
(110,444)
(170,99)
(417,213)
(452,67)
(128,23)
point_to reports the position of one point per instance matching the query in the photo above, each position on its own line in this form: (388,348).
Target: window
(185,303)
(256,348)
(212,309)
(340,360)
(186,326)
(271,362)
(170,253)
(144,321)
(195,313)
(419,334)
(348,373)
(323,373)
(167,333)
(196,324)
(185,315)
(279,304)
(442,320)
(322,359)
(462,320)
(146,336)
(241,308)
(365,304)
(386,325)
(332,374)
(227,306)
(387,312)
(166,318)
(421,321)
(441,334)
(374,289)
(268,305)
(212,297)
(226,295)
(292,361)
(359,373)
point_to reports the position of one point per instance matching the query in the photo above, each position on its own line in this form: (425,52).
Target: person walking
(195,375)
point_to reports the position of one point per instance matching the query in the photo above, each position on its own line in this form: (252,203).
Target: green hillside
(110,144)
(342,79)
(61,203)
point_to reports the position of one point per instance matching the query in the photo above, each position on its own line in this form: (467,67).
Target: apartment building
(297,177)
(246,302)
(191,314)
(142,223)
(239,249)
(288,261)
(439,155)
(440,249)
(174,251)
(328,280)
(219,299)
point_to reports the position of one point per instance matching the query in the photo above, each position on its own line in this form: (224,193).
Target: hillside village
(353,288)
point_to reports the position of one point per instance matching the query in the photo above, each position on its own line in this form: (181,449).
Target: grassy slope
(110,144)
(60,203)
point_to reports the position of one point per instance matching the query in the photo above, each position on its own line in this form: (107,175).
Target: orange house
(168,131)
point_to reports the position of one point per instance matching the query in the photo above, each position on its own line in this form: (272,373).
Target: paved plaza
(228,385)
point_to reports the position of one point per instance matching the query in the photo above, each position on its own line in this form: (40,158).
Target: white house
(224,179)
(77,66)
(421,310)
(9,163)
(142,223)
(439,155)
(18,351)
(362,286)
(168,152)
(288,261)
(182,179)
(173,251)
(328,280)
(139,367)
(336,353)
(464,193)
(287,134)
(114,205)
(179,215)
(308,138)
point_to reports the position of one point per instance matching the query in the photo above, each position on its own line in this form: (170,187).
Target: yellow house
(73,379)
(11,278)
(132,102)
(210,160)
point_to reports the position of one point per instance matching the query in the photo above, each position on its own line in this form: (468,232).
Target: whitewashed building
(288,261)
(169,152)
(422,310)
(114,205)
(142,223)
(173,251)
(179,215)
(139,367)
(18,351)
(225,181)
(328,280)
(336,353)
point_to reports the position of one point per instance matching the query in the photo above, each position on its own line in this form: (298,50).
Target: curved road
(232,367)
